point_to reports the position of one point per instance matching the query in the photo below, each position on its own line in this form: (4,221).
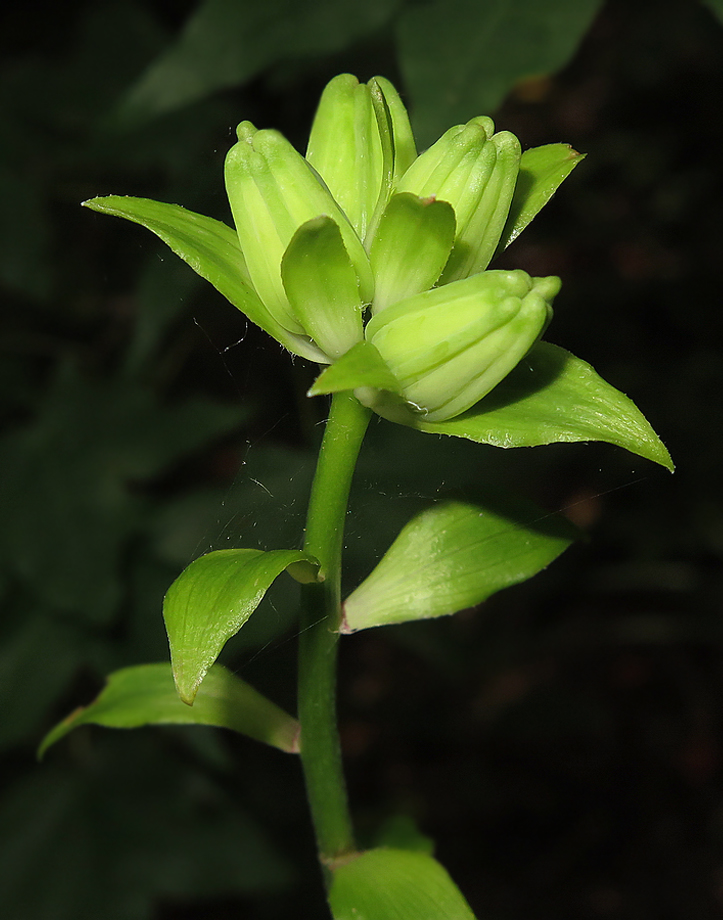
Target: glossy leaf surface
(391,884)
(145,695)
(212,599)
(553,396)
(454,556)
(542,171)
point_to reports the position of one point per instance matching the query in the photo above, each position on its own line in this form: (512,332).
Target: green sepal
(551,396)
(411,247)
(454,556)
(322,286)
(213,252)
(212,599)
(542,171)
(389,884)
(145,695)
(361,366)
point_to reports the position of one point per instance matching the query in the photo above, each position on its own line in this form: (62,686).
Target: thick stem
(320,621)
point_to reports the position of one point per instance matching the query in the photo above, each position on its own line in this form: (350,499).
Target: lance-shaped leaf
(552,396)
(542,171)
(386,884)
(454,556)
(145,695)
(322,286)
(212,599)
(212,250)
(410,248)
(361,366)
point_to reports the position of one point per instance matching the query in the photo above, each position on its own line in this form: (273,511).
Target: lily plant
(372,261)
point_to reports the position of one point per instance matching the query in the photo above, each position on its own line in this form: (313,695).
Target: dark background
(562,744)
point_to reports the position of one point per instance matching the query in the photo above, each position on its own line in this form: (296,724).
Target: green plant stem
(320,621)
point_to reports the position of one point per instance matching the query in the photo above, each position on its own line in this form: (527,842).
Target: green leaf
(390,884)
(454,556)
(361,366)
(410,247)
(542,171)
(213,252)
(226,43)
(553,396)
(212,599)
(460,58)
(145,695)
(69,486)
(113,833)
(716,7)
(322,286)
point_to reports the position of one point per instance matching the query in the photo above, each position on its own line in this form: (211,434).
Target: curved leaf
(361,366)
(326,302)
(455,556)
(391,884)
(553,396)
(542,171)
(460,58)
(145,695)
(213,252)
(212,599)
(226,43)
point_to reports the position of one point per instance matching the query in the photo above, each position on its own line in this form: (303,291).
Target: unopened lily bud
(273,191)
(360,143)
(480,233)
(450,346)
(474,170)
(345,148)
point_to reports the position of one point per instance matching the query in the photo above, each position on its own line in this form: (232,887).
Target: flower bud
(475,171)
(360,143)
(450,346)
(273,191)
(345,148)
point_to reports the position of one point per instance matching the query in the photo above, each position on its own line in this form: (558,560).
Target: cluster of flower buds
(364,240)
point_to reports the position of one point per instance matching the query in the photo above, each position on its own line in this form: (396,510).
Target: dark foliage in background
(562,745)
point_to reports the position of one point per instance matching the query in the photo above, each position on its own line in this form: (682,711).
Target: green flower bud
(404,148)
(450,346)
(273,191)
(345,148)
(360,143)
(475,171)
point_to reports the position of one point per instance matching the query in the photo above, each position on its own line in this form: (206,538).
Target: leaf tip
(187,689)
(295,745)
(344,628)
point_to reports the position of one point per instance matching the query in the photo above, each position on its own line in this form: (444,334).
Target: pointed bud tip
(548,287)
(246,131)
